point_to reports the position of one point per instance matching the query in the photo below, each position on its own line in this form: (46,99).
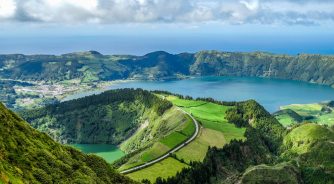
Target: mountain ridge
(161,64)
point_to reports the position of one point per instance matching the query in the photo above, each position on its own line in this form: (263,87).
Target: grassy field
(155,151)
(173,129)
(304,109)
(214,131)
(173,139)
(188,128)
(310,112)
(229,130)
(166,168)
(196,150)
(285,120)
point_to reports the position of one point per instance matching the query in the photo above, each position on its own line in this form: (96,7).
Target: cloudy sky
(286,18)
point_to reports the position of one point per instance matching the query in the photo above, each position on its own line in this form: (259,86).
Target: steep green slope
(28,156)
(110,117)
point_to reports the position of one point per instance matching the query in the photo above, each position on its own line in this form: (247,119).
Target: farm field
(164,169)
(211,116)
(215,131)
(176,136)
(196,150)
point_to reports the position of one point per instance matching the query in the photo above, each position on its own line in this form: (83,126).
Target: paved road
(168,153)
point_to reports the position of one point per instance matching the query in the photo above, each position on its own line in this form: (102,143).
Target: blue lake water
(270,93)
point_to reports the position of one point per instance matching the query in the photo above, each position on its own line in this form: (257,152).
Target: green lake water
(108,152)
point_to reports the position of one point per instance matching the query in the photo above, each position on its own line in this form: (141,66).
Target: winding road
(168,153)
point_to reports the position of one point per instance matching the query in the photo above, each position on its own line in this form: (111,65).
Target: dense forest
(270,153)
(110,117)
(28,156)
(93,66)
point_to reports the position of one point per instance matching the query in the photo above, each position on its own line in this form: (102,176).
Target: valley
(101,106)
(241,137)
(166,92)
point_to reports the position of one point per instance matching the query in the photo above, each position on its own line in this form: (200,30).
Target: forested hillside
(93,66)
(143,124)
(28,156)
(110,117)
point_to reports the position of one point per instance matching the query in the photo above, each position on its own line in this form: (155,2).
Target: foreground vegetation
(239,142)
(28,156)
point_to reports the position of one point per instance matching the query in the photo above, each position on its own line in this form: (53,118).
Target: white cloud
(7,8)
(251,5)
(169,11)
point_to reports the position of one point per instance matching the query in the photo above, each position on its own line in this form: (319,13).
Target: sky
(141,26)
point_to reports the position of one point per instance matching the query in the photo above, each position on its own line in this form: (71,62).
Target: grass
(196,150)
(304,109)
(173,128)
(188,128)
(166,168)
(173,139)
(229,130)
(308,110)
(302,138)
(155,151)
(285,120)
(209,111)
(216,132)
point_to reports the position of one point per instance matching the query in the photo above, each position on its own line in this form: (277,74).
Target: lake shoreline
(231,89)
